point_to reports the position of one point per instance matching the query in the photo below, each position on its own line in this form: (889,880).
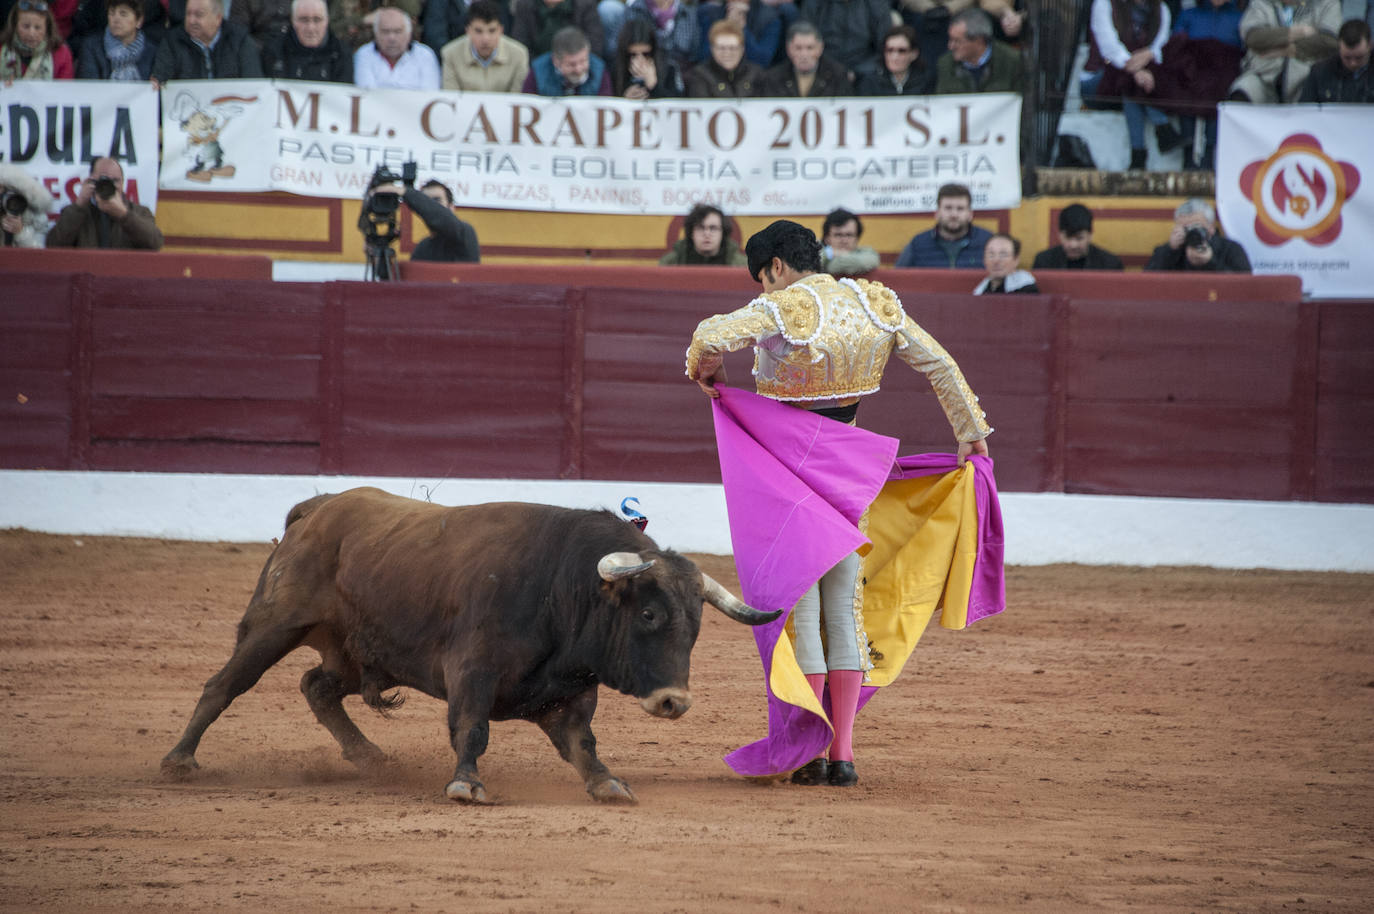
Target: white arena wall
(1040,528)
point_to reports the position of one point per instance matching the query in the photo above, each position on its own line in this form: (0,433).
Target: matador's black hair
(795,244)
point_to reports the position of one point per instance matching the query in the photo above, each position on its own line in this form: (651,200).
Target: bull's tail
(306,508)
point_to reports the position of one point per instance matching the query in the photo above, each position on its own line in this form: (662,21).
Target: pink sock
(844,704)
(817,683)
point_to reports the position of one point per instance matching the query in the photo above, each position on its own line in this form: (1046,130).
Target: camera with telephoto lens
(105,188)
(13,203)
(1196,238)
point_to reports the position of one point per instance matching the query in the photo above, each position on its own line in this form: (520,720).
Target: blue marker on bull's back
(632,515)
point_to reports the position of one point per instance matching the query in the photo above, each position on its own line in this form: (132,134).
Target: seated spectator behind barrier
(353,20)
(102,217)
(534,23)
(1283,38)
(675,21)
(1128,36)
(954,241)
(976,63)
(1002,260)
(1076,250)
(447,20)
(569,69)
(902,72)
(265,20)
(807,72)
(1347,77)
(308,50)
(705,241)
(841,254)
(726,74)
(394,59)
(1195,245)
(853,30)
(92,18)
(121,52)
(31,47)
(206,47)
(1201,61)
(759,23)
(484,59)
(641,69)
(24,205)
(451,240)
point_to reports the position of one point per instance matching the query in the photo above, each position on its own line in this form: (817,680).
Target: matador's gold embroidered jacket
(823,339)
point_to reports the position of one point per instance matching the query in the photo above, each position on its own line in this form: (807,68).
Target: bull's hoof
(467,792)
(178,767)
(612,790)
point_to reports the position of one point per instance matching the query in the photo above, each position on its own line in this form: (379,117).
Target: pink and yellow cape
(796,485)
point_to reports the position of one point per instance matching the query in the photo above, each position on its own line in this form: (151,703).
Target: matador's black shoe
(842,774)
(812,773)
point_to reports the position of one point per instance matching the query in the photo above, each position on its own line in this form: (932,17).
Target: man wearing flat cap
(820,344)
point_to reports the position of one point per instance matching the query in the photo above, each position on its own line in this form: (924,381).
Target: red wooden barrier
(580,376)
(134,263)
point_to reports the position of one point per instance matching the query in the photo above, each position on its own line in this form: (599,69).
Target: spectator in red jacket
(31,46)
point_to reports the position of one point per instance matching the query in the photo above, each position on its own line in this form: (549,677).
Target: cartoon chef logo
(1298,192)
(202,125)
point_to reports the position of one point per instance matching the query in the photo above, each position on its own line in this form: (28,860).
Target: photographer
(102,217)
(24,205)
(1195,245)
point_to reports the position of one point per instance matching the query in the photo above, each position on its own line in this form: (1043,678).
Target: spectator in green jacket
(975,62)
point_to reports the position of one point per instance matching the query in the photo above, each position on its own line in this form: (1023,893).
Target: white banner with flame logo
(1295,186)
(595,155)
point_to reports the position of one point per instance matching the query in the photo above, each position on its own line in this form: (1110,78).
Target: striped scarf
(124,57)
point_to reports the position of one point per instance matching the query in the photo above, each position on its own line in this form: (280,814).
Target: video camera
(377,219)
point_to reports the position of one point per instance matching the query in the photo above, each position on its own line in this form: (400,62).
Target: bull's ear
(617,565)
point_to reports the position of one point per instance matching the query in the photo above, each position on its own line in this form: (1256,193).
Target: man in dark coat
(308,50)
(102,217)
(806,73)
(1076,250)
(206,47)
(1346,78)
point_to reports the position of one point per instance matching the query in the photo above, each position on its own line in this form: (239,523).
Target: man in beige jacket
(484,59)
(1283,38)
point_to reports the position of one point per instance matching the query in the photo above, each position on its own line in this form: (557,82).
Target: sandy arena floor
(1154,740)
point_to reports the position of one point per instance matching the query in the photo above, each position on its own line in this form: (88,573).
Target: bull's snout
(669,703)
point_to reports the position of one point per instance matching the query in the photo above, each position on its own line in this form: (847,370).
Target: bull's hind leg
(569,728)
(254,654)
(325,690)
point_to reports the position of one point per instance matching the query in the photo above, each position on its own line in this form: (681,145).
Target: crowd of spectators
(1164,63)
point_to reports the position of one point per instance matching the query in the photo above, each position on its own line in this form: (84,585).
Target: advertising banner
(1294,188)
(595,155)
(55,129)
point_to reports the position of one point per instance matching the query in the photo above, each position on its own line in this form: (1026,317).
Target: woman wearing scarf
(30,46)
(122,52)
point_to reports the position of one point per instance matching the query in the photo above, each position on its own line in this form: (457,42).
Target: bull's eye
(648,616)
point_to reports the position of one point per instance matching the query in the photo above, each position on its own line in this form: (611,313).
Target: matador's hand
(972,447)
(708,382)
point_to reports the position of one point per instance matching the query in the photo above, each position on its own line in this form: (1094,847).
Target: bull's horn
(616,565)
(733,607)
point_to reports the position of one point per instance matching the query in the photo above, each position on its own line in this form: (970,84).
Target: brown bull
(505,611)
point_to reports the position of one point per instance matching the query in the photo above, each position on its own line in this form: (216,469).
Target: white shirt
(417,68)
(1109,43)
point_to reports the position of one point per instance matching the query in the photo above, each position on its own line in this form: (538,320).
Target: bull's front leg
(469,710)
(569,728)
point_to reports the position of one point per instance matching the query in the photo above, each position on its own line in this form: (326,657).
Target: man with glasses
(204,46)
(841,254)
(902,71)
(975,62)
